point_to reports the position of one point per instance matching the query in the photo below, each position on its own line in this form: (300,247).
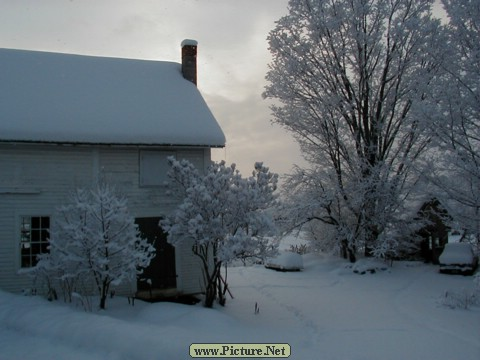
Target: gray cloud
(251,137)
(232,60)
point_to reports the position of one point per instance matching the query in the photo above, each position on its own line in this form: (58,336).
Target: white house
(67,119)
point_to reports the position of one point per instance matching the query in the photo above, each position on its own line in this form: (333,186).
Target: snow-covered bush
(321,237)
(463,299)
(94,244)
(225,216)
(300,249)
(367,266)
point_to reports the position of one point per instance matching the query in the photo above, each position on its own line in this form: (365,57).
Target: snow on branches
(349,78)
(456,168)
(225,215)
(94,243)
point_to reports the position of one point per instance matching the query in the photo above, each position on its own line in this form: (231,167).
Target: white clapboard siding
(36,178)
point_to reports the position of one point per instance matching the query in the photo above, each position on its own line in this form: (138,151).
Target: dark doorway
(160,274)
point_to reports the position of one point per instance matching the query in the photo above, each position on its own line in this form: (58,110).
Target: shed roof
(64,98)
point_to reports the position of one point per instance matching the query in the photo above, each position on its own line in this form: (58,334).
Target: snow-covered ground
(324,312)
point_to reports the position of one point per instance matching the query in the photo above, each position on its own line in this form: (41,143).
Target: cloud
(251,137)
(232,55)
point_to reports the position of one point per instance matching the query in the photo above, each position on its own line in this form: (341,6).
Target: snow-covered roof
(63,98)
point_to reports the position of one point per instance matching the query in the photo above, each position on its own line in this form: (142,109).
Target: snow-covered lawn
(324,312)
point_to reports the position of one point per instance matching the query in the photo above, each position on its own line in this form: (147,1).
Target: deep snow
(325,311)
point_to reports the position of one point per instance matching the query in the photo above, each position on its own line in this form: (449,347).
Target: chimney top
(189,60)
(189,42)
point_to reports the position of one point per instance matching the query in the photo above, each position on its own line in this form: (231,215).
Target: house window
(154,167)
(33,238)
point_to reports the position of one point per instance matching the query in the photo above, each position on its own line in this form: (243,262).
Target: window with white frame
(34,233)
(154,167)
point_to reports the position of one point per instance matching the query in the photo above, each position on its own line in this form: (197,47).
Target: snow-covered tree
(225,216)
(349,79)
(94,242)
(457,123)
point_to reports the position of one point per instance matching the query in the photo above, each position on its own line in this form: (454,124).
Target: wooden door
(161,273)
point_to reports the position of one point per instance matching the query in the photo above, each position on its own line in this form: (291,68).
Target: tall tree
(349,78)
(457,119)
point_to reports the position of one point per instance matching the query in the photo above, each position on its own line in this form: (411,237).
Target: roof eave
(109,144)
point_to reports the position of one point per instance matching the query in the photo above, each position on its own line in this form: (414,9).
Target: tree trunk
(103,297)
(347,251)
(210,295)
(103,300)
(211,288)
(351,255)
(221,293)
(344,249)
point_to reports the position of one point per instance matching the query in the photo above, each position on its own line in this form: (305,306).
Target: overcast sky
(232,55)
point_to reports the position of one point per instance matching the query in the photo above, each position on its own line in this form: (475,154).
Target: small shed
(435,234)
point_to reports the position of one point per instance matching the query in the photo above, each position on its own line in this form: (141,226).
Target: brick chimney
(189,60)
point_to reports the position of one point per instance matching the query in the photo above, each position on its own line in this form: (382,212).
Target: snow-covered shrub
(463,299)
(85,301)
(476,281)
(386,250)
(225,216)
(367,266)
(300,249)
(50,277)
(94,244)
(321,237)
